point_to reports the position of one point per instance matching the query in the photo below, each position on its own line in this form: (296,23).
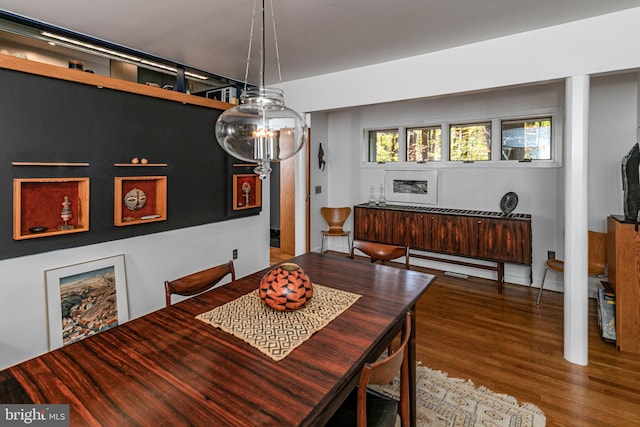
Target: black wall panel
(49,120)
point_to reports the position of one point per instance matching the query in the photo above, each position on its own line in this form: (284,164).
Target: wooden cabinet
(489,236)
(623,265)
(477,234)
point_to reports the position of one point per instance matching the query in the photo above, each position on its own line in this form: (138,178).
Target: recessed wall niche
(44,207)
(139,199)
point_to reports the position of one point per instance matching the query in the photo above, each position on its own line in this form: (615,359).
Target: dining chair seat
(597,259)
(380,251)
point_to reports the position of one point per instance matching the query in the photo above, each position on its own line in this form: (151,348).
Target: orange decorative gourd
(285,288)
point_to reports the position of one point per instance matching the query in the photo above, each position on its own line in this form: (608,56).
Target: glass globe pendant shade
(261,129)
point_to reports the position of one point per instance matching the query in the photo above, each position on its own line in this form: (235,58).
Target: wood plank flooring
(510,345)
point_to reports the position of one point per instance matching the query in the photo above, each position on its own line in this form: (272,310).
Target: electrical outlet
(235,254)
(318,189)
(551,254)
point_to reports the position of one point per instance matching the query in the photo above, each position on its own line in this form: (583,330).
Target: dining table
(171,368)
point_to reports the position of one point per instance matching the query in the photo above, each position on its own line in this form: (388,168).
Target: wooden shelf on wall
(49,164)
(124,165)
(38,68)
(37,204)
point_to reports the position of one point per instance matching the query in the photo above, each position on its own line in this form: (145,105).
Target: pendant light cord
(263,46)
(262,49)
(275,39)
(246,72)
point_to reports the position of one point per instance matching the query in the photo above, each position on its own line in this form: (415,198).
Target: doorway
(283,205)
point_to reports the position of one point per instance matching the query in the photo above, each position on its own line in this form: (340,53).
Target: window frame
(552,138)
(407,129)
(473,123)
(555,113)
(372,145)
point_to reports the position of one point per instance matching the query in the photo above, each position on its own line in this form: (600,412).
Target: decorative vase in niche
(285,288)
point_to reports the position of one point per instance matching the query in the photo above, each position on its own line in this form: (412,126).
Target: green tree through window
(470,142)
(424,144)
(383,145)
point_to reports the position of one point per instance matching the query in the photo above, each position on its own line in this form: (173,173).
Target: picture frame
(411,186)
(85,299)
(247,191)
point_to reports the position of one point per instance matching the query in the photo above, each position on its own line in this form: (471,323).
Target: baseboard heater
(498,268)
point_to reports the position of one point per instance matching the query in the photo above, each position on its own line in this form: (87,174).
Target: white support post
(576,283)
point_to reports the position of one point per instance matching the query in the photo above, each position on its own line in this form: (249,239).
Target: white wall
(319,135)
(469,186)
(612,132)
(477,186)
(150,260)
(590,46)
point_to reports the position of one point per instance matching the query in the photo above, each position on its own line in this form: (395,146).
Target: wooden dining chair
(198,282)
(365,407)
(335,218)
(380,251)
(597,259)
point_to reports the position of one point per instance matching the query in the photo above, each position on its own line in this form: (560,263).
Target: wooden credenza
(484,235)
(623,267)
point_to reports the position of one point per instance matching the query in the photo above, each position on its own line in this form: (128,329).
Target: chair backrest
(335,217)
(383,372)
(380,251)
(597,252)
(198,282)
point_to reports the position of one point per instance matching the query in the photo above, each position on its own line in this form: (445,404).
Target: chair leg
(322,245)
(544,276)
(406,259)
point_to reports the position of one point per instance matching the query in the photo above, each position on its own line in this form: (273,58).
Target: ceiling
(314,36)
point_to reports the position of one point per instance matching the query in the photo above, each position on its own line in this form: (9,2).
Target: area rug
(454,402)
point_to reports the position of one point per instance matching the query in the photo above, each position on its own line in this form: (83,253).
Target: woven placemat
(276,333)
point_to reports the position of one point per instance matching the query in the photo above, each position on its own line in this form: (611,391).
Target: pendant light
(261,129)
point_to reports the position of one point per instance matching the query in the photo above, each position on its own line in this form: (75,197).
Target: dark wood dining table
(168,368)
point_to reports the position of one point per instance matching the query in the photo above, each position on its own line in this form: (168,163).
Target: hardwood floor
(510,345)
(277,256)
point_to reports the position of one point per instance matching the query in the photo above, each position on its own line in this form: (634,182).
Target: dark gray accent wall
(48,120)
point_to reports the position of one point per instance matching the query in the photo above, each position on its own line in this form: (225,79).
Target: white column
(576,284)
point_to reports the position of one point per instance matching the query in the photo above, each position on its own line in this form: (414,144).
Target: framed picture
(85,299)
(411,186)
(247,192)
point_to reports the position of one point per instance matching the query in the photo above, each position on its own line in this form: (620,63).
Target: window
(424,144)
(526,139)
(383,145)
(470,142)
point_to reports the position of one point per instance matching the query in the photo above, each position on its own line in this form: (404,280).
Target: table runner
(276,333)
